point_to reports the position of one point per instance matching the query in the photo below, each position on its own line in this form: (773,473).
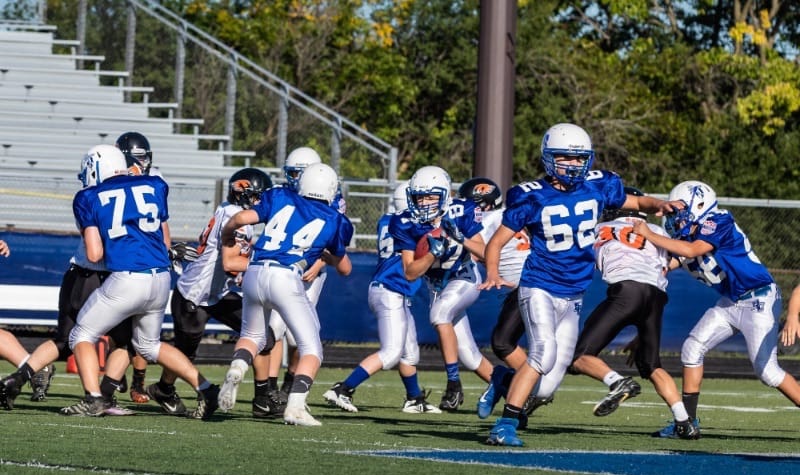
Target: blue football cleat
(493,393)
(504,432)
(680,430)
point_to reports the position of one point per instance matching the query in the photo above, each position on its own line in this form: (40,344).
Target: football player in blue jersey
(559,212)
(389,298)
(139,158)
(121,219)
(79,281)
(710,245)
(314,278)
(449,271)
(301,227)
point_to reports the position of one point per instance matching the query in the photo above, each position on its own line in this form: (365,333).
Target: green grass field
(737,416)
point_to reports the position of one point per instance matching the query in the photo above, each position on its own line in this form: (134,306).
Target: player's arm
(675,246)
(492,258)
(415,268)
(312,272)
(342,264)
(791,329)
(232,258)
(166,233)
(651,205)
(93,243)
(475,245)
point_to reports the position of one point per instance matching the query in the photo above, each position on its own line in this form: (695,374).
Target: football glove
(181,251)
(449,226)
(437,246)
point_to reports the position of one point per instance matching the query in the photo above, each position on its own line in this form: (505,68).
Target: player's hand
(790,331)
(641,228)
(631,348)
(181,251)
(494,281)
(667,207)
(4,250)
(437,246)
(449,227)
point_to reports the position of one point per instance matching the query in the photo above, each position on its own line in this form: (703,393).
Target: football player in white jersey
(204,290)
(559,213)
(711,246)
(635,271)
(122,218)
(301,227)
(389,298)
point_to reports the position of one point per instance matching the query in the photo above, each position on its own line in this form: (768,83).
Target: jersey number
(149,221)
(560,237)
(275,230)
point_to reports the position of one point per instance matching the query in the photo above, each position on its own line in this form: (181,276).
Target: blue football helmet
(428,181)
(567,140)
(699,200)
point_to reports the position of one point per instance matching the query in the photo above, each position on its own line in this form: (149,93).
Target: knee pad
(543,356)
(771,374)
(502,348)
(188,344)
(390,356)
(645,368)
(411,359)
(64,350)
(470,356)
(692,352)
(147,349)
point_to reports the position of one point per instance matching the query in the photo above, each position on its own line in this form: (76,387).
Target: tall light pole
(494,134)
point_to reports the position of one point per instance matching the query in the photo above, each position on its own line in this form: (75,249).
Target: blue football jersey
(732,268)
(128,212)
(297,229)
(561,226)
(467,217)
(389,271)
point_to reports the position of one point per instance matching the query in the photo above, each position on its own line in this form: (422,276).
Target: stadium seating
(52,112)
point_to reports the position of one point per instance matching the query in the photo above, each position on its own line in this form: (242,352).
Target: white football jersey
(514,253)
(204,282)
(623,255)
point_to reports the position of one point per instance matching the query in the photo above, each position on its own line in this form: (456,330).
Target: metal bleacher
(52,112)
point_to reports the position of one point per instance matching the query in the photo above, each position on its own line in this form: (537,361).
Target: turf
(737,416)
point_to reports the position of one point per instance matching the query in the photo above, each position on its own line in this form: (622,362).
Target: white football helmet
(430,180)
(296,162)
(569,140)
(399,199)
(100,163)
(318,181)
(700,200)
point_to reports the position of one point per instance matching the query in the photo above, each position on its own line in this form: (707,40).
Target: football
(422,244)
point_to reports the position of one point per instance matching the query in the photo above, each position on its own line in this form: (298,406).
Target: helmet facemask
(427,205)
(244,194)
(698,199)
(567,174)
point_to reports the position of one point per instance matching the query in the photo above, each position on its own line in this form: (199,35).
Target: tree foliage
(669,90)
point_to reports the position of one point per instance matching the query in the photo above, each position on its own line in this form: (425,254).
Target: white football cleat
(338,396)
(299,416)
(227,395)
